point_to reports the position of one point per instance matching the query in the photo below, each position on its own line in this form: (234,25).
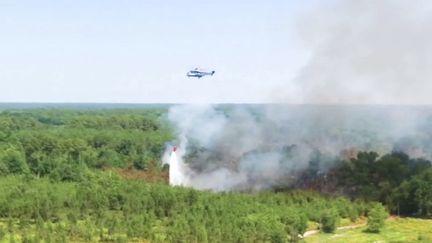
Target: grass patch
(395,230)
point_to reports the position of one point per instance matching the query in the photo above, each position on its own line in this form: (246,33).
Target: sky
(275,51)
(140,51)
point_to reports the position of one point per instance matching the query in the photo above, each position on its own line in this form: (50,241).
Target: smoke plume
(255,147)
(365,52)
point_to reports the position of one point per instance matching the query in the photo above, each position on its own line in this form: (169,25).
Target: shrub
(353,214)
(329,220)
(3,232)
(376,218)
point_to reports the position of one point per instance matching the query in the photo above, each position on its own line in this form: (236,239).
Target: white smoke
(245,147)
(365,52)
(362,52)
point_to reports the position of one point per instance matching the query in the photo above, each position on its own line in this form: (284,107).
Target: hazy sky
(140,51)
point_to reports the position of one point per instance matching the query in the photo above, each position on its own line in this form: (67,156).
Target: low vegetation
(104,206)
(395,230)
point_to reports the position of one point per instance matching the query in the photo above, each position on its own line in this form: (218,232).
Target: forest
(65,176)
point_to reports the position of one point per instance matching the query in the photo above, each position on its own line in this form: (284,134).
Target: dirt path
(312,232)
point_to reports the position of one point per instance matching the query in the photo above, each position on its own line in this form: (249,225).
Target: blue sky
(140,51)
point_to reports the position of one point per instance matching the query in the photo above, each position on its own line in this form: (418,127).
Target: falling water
(176,171)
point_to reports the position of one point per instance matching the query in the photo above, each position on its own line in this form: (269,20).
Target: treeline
(403,184)
(59,143)
(104,207)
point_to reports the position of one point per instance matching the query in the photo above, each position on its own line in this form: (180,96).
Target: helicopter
(198,73)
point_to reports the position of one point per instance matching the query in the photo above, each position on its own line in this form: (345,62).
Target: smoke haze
(255,147)
(361,52)
(365,52)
